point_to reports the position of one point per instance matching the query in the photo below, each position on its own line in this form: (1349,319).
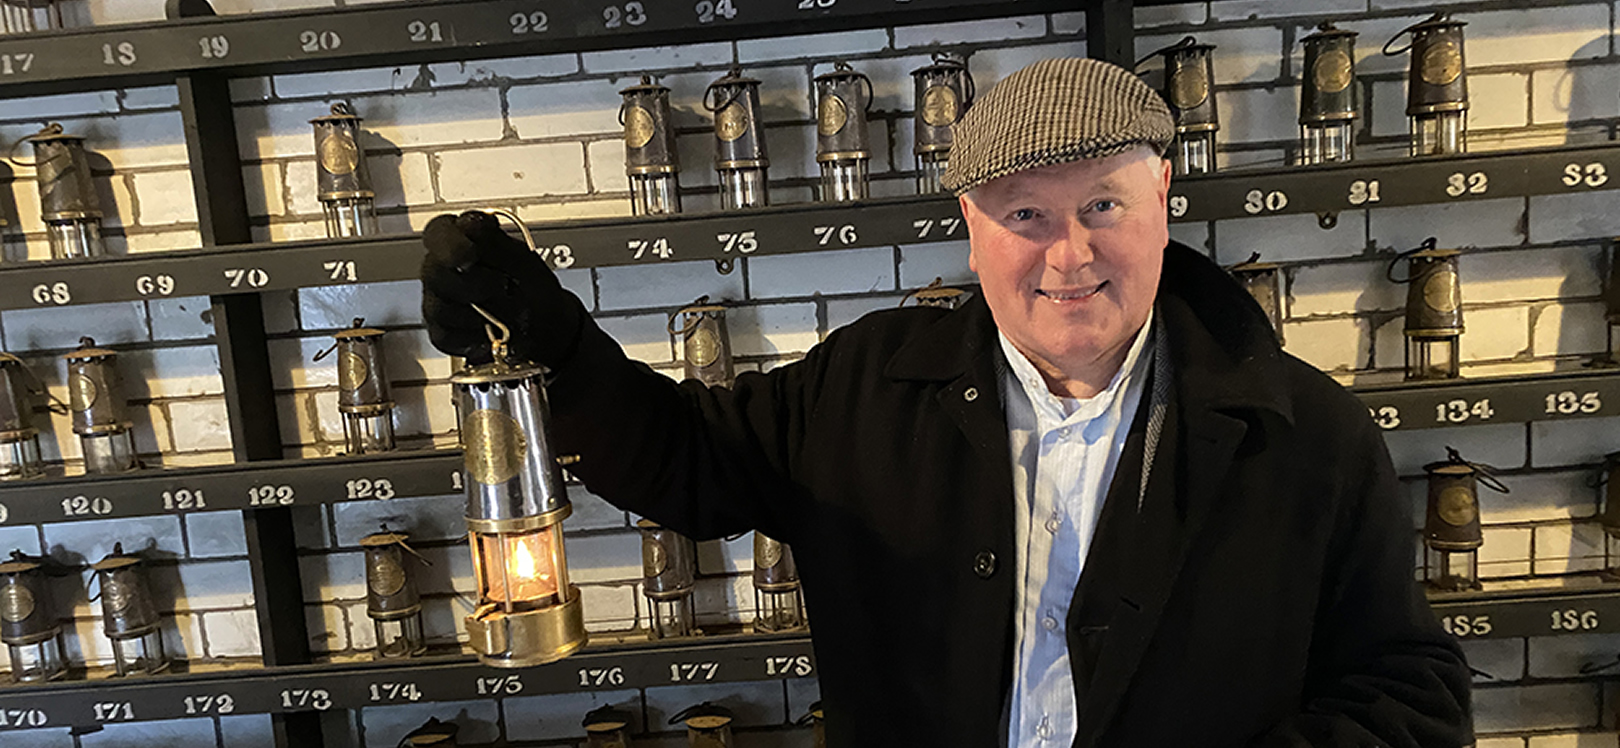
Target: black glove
(470,260)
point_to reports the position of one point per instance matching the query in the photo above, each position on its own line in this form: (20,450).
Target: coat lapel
(961,351)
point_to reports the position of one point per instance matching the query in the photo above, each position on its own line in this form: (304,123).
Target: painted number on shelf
(1386,416)
(813,4)
(208,704)
(424,31)
(340,270)
(455,480)
(1459,184)
(1574,620)
(498,686)
(56,293)
(597,677)
(160,284)
(251,277)
(560,256)
(84,506)
(1587,175)
(633,13)
(214,47)
(22,718)
(319,41)
(795,666)
(118,53)
(684,672)
(362,488)
(530,23)
(742,241)
(114,711)
(845,233)
(270,496)
(1363,191)
(1178,206)
(1463,627)
(1257,202)
(16,63)
(641,247)
(1568,403)
(318,699)
(5,514)
(1459,411)
(925,227)
(182,499)
(708,11)
(395,692)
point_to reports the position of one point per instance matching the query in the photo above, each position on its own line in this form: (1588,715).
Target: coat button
(984,564)
(970,394)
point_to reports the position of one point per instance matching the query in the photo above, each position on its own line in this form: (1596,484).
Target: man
(1096,506)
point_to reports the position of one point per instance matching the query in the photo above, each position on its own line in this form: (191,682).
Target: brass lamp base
(530,638)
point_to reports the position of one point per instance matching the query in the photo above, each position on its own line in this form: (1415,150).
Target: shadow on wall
(1584,93)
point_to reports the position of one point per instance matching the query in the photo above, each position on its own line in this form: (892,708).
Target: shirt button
(1044,730)
(984,564)
(1063,433)
(1053,524)
(1050,623)
(970,394)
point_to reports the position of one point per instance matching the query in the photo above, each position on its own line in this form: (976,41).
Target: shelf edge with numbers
(109,56)
(1333,188)
(1590,606)
(627,664)
(1592,393)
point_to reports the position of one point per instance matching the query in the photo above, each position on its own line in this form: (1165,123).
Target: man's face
(1069,256)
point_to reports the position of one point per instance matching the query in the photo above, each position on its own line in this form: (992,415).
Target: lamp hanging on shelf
(944,93)
(363,397)
(393,602)
(1263,281)
(669,576)
(129,615)
(607,727)
(528,613)
(707,725)
(1437,86)
(432,734)
(20,457)
(1327,105)
(28,624)
(816,718)
(68,201)
(96,399)
(26,16)
(1451,530)
(1434,318)
(843,97)
(342,179)
(778,597)
(650,157)
(936,294)
(1189,75)
(740,155)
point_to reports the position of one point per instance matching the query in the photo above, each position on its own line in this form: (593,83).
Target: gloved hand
(470,260)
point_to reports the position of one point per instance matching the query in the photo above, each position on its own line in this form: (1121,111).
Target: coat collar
(1225,353)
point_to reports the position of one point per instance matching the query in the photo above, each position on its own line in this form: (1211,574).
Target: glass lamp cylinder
(31,631)
(1434,321)
(778,600)
(19,440)
(607,727)
(1451,531)
(650,156)
(69,204)
(24,16)
(129,615)
(1263,281)
(944,92)
(1327,105)
(528,613)
(96,399)
(363,396)
(432,734)
(669,575)
(1437,88)
(343,184)
(843,97)
(707,725)
(1189,71)
(392,600)
(739,142)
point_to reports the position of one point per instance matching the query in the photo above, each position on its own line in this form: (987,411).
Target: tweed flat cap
(1054,112)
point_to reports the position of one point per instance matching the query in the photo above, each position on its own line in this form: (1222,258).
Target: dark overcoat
(1261,594)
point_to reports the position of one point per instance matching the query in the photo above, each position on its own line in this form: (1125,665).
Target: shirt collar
(1050,407)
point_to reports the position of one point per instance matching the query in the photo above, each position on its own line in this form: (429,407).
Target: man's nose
(1072,248)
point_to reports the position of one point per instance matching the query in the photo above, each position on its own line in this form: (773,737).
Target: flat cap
(1054,112)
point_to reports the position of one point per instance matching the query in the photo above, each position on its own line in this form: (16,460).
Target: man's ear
(969,210)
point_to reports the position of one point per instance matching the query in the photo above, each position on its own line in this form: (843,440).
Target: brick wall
(540,135)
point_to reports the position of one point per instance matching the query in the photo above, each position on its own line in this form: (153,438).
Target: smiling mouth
(1071,294)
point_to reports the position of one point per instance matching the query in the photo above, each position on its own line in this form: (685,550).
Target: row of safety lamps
(708,725)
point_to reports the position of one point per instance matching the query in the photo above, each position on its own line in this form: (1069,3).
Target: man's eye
(1103,206)
(1023,214)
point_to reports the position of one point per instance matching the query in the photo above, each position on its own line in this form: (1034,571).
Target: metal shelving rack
(200,55)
